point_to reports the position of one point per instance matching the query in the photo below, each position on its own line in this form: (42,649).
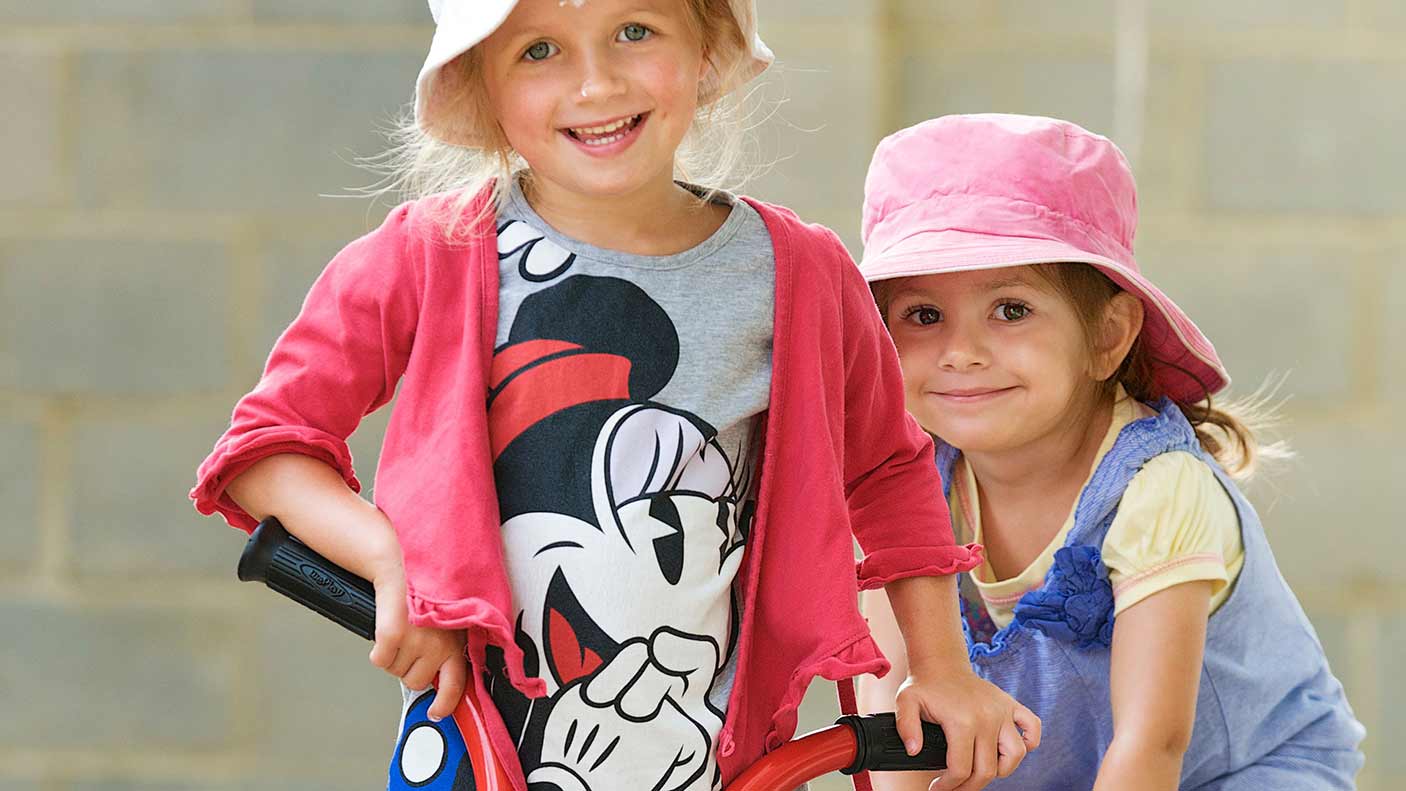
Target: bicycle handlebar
(293,569)
(854,744)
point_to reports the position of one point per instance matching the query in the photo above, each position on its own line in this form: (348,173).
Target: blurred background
(162,214)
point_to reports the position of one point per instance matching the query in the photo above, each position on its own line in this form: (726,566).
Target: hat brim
(461,26)
(1188,368)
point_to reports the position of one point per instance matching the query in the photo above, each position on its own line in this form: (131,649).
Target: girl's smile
(607,138)
(958,396)
(992,359)
(596,98)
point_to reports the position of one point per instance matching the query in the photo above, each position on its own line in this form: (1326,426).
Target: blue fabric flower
(1076,602)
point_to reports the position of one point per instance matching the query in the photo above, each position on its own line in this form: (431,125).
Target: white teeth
(603,141)
(604,130)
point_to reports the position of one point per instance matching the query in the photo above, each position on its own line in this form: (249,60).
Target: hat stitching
(1041,210)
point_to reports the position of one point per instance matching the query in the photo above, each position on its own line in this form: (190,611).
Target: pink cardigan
(841,456)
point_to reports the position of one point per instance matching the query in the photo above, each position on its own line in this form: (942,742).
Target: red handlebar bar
(289,567)
(788,766)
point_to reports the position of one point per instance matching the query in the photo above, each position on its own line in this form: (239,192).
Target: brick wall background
(160,218)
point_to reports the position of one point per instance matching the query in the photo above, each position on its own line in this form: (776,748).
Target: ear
(1119,327)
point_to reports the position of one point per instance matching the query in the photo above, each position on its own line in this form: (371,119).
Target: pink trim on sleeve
(883,566)
(238,453)
(1162,568)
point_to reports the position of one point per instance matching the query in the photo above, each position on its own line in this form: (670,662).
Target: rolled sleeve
(339,360)
(231,458)
(879,568)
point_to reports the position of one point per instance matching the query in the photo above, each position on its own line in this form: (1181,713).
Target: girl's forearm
(927,614)
(1147,767)
(1154,677)
(315,504)
(877,694)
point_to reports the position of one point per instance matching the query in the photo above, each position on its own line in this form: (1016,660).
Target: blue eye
(634,32)
(540,51)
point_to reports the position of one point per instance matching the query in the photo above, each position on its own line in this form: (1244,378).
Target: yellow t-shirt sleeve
(1175,524)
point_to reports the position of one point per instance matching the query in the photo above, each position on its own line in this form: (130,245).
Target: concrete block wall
(162,215)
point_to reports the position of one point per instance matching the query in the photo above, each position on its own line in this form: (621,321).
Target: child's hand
(988,732)
(414,654)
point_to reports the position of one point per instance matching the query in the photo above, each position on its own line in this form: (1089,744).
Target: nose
(600,80)
(964,348)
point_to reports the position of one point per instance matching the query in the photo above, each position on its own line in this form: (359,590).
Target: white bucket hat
(460,24)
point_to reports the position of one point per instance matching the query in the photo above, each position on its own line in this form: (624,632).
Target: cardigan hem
(880,568)
(226,464)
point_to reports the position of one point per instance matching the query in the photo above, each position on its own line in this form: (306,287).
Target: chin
(968,436)
(606,185)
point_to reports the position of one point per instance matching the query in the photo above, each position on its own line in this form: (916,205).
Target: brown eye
(1012,311)
(923,315)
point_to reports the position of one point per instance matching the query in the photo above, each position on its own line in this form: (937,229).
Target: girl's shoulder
(447,220)
(396,261)
(814,246)
(782,218)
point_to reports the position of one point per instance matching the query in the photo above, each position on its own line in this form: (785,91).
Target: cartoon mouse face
(624,525)
(666,538)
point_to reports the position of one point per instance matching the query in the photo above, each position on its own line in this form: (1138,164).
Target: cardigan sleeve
(339,360)
(892,485)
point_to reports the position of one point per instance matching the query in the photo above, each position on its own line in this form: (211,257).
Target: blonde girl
(628,409)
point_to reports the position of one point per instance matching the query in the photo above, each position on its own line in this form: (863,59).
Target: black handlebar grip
(879,749)
(291,568)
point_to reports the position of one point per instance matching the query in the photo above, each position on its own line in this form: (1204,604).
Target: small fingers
(984,764)
(420,674)
(453,678)
(960,745)
(1010,749)
(405,659)
(390,632)
(385,652)
(908,722)
(1029,724)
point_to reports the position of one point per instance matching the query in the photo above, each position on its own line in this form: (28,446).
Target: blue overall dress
(1269,713)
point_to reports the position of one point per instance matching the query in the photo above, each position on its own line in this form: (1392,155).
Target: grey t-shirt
(623,404)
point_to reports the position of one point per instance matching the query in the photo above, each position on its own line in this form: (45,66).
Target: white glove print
(638,717)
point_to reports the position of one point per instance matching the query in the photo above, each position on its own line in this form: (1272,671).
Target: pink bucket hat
(460,24)
(967,192)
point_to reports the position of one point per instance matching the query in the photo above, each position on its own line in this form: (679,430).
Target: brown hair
(1227,431)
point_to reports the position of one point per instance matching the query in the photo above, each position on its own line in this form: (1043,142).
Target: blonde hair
(419,164)
(1226,431)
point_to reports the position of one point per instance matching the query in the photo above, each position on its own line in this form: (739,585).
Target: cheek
(1048,360)
(916,360)
(522,106)
(672,80)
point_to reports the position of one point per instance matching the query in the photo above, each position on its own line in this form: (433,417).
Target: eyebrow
(537,30)
(1009,282)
